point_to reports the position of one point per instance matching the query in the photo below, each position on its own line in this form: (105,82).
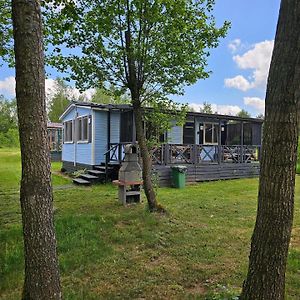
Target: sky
(239,65)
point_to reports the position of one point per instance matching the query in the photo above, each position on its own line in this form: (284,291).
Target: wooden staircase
(99,174)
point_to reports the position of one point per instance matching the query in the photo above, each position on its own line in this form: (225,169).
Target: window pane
(85,129)
(216,133)
(233,133)
(189,132)
(208,133)
(79,129)
(67,133)
(70,131)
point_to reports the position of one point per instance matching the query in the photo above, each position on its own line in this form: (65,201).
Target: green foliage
(243,114)
(9,135)
(6,43)
(152,48)
(207,109)
(78,173)
(260,116)
(59,102)
(161,115)
(10,138)
(197,251)
(298,158)
(8,114)
(109,95)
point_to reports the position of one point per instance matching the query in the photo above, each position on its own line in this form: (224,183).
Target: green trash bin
(178,176)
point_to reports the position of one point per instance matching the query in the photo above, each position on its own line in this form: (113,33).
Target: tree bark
(272,232)
(41,263)
(146,159)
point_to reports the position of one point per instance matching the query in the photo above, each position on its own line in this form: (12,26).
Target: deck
(204,162)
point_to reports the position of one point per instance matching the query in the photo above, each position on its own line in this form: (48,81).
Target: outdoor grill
(130,176)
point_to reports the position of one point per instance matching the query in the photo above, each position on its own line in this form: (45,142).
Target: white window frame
(212,135)
(65,132)
(82,118)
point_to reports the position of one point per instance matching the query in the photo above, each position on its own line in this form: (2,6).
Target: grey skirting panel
(207,172)
(55,155)
(69,167)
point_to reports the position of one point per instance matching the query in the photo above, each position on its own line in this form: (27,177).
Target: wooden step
(89,177)
(81,181)
(96,172)
(102,168)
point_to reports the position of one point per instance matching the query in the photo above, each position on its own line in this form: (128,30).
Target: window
(126,127)
(68,132)
(209,133)
(189,132)
(83,129)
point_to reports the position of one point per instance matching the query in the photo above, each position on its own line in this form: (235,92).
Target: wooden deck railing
(166,154)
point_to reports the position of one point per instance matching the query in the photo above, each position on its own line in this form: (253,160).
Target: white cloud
(257,103)
(87,94)
(234,45)
(239,82)
(8,85)
(216,108)
(256,59)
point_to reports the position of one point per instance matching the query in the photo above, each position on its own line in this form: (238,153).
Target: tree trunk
(146,159)
(272,232)
(41,264)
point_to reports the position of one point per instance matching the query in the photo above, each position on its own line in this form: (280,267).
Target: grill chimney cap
(130,148)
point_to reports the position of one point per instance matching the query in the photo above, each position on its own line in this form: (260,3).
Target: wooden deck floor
(209,171)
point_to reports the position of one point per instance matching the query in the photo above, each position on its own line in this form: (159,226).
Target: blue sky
(239,65)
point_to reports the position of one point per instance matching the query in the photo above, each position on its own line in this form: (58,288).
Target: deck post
(195,154)
(242,142)
(219,143)
(107,158)
(120,152)
(166,153)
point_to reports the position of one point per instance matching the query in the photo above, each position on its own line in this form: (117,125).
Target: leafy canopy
(6,43)
(8,114)
(206,108)
(154,46)
(9,135)
(59,101)
(243,114)
(109,95)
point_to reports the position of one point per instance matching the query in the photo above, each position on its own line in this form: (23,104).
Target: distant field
(106,251)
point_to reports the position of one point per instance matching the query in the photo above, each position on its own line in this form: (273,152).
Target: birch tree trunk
(41,264)
(146,159)
(272,232)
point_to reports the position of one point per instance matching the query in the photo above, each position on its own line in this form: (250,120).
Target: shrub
(9,138)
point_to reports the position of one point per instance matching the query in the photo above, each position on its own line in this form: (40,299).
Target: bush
(9,138)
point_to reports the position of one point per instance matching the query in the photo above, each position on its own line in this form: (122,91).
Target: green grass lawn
(198,250)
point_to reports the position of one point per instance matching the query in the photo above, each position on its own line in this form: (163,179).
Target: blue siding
(84,153)
(68,152)
(80,152)
(68,149)
(69,116)
(115,127)
(100,136)
(83,111)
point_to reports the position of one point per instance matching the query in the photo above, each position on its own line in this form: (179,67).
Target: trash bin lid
(180,168)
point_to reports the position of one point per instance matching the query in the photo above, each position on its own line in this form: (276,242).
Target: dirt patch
(295,239)
(163,261)
(198,289)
